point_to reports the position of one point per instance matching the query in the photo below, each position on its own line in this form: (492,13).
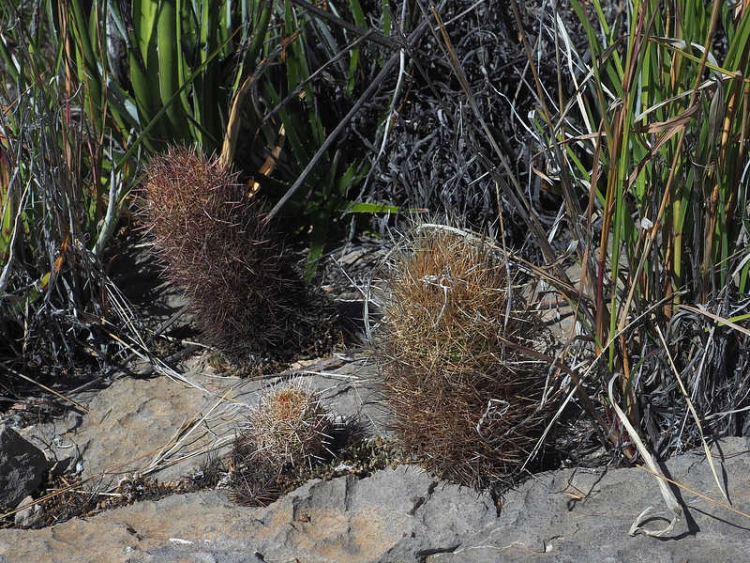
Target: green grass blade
(169,53)
(359,20)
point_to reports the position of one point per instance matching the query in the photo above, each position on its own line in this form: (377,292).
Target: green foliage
(666,125)
(167,69)
(310,105)
(211,72)
(653,142)
(92,89)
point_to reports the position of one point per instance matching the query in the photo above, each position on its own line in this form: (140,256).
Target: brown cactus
(214,244)
(465,398)
(287,432)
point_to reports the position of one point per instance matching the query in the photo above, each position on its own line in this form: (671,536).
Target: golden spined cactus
(464,396)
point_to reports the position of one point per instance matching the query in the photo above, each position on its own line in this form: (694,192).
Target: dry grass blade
(717,318)
(516,194)
(42,499)
(80,488)
(579,380)
(15,373)
(724,505)
(694,413)
(333,20)
(158,365)
(190,433)
(666,492)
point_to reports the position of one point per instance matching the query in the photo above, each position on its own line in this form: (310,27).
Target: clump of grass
(215,244)
(60,201)
(656,135)
(466,397)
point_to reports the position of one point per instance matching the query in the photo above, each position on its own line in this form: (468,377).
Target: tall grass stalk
(655,138)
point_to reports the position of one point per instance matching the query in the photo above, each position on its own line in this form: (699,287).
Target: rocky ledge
(165,427)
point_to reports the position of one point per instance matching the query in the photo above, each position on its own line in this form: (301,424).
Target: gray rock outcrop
(405,515)
(166,427)
(22,468)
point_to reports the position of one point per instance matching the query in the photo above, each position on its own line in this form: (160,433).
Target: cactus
(465,399)
(288,433)
(215,244)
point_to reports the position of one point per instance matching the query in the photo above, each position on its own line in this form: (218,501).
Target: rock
(22,467)
(53,438)
(394,515)
(407,516)
(584,515)
(166,427)
(29,516)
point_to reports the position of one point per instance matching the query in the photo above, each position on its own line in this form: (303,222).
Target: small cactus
(290,427)
(289,431)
